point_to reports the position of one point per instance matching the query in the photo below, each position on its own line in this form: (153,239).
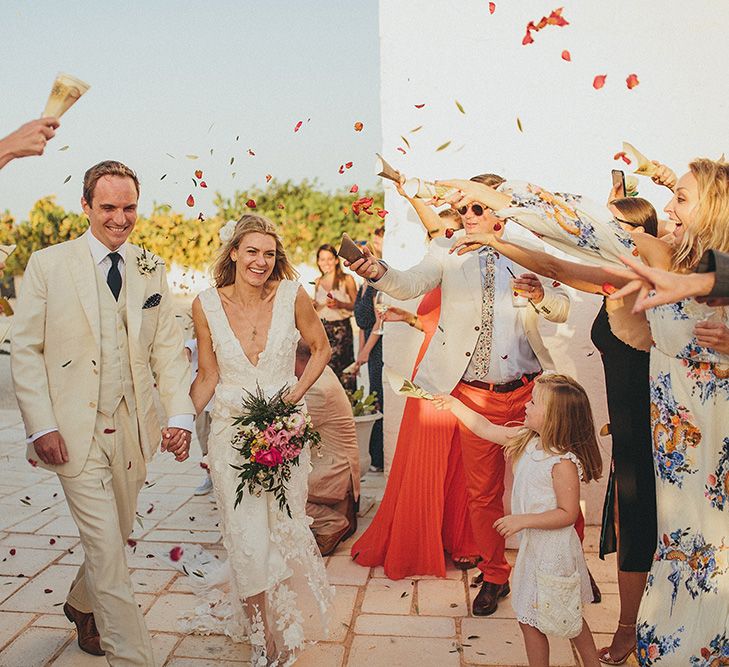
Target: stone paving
(420,621)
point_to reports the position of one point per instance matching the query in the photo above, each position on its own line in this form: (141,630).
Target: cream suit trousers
(103,503)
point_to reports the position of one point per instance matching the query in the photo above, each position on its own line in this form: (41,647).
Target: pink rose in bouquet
(290,450)
(297,423)
(269,457)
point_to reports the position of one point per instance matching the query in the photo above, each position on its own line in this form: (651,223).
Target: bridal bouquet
(270,436)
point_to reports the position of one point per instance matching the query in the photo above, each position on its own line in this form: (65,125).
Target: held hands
(177,442)
(444,402)
(511,524)
(51,448)
(529,286)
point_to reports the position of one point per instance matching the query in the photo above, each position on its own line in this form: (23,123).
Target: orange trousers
(484,466)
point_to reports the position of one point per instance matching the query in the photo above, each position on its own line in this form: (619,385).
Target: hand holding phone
(618,177)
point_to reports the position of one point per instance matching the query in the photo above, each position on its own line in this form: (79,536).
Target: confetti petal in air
(382,213)
(68,178)
(416,129)
(341,168)
(280,206)
(405,141)
(191,201)
(298,125)
(518,124)
(555,18)
(460,108)
(12,552)
(250,151)
(354,188)
(198,173)
(109,430)
(492,7)
(566,56)
(162,178)
(419,106)
(191,157)
(448,232)
(63,148)
(599,81)
(362,204)
(632,81)
(402,150)
(358,126)
(348,165)
(203,184)
(442,147)
(251,203)
(132,543)
(268,178)
(622,155)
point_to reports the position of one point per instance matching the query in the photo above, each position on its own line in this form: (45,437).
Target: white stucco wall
(434,53)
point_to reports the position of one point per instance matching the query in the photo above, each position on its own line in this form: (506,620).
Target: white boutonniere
(147,263)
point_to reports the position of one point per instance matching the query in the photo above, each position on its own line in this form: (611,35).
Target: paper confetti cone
(419,189)
(382,168)
(644,166)
(405,387)
(6,251)
(65,92)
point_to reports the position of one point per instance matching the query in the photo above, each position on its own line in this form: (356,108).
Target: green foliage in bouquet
(361,404)
(270,436)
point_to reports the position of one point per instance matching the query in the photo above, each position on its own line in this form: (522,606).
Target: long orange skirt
(424,510)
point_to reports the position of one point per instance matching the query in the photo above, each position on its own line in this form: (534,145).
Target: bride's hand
(471,242)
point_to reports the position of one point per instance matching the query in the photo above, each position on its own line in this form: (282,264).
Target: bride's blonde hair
(224,267)
(568,424)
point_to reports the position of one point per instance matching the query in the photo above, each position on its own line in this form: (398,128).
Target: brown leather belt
(507,386)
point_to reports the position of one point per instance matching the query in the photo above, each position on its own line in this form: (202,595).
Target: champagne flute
(381,307)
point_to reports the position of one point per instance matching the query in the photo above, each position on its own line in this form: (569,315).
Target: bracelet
(412,321)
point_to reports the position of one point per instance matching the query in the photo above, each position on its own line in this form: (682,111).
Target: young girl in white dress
(554,449)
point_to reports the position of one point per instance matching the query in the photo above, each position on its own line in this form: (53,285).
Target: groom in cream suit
(94,330)
(486,351)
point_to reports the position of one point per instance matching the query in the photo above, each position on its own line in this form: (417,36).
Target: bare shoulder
(653,251)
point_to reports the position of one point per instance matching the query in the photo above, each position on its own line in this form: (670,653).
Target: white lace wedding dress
(268,552)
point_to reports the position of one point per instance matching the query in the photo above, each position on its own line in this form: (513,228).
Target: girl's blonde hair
(224,267)
(709,229)
(567,427)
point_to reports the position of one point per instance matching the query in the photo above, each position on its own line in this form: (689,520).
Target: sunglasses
(478,209)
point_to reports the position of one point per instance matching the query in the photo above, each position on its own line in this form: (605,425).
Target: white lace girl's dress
(267,550)
(557,552)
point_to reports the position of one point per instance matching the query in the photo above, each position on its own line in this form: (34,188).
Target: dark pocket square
(152,301)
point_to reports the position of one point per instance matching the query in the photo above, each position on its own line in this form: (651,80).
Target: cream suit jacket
(459,276)
(56,349)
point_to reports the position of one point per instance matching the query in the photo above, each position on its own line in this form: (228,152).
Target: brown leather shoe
(487,600)
(328,543)
(88,636)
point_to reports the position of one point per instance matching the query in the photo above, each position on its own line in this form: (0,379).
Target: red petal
(348,165)
(48,590)
(132,543)
(109,430)
(129,465)
(419,106)
(151,509)
(204,465)
(358,126)
(251,203)
(632,81)
(635,252)
(298,125)
(448,232)
(599,81)
(13,552)
(176,553)
(198,174)
(354,188)
(268,178)
(556,283)
(191,201)
(528,39)
(566,56)
(402,150)
(609,288)
(33,462)
(492,7)
(280,206)
(705,654)
(203,184)
(382,213)
(250,152)
(556,18)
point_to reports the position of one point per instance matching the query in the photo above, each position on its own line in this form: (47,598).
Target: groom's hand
(51,449)
(177,442)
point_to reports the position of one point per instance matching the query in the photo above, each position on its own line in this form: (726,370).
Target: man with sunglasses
(486,351)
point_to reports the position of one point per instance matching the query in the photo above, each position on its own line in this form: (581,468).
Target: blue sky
(184,77)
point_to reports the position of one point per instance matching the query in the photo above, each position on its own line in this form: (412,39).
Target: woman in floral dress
(684,614)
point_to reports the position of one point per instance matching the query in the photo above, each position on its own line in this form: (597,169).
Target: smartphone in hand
(349,250)
(618,177)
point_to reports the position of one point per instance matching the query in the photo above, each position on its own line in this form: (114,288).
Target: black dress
(364,315)
(626,382)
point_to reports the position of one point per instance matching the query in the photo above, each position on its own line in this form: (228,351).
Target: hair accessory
(226,231)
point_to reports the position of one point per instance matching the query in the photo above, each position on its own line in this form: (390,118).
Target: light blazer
(454,341)
(56,349)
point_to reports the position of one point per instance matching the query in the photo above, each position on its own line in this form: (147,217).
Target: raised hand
(528,285)
(368,267)
(28,139)
(51,448)
(177,442)
(664,176)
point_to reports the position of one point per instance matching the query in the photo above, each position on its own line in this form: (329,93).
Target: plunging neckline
(268,333)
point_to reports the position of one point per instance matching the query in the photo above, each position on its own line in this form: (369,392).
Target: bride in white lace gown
(247,330)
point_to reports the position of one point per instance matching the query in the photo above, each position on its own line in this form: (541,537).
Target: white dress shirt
(100,255)
(511,354)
